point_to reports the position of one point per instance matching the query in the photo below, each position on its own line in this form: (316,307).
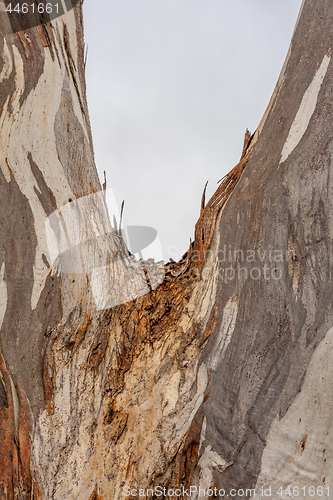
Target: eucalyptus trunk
(119,375)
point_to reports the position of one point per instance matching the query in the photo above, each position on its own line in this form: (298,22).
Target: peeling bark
(198,373)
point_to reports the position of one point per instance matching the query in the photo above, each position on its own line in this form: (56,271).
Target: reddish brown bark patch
(16,480)
(95,495)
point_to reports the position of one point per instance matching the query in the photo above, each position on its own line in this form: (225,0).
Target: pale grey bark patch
(209,462)
(3,292)
(73,148)
(3,396)
(31,49)
(306,110)
(44,193)
(19,261)
(299,445)
(225,333)
(22,345)
(7,67)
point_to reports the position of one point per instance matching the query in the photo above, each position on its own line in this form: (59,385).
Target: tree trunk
(217,374)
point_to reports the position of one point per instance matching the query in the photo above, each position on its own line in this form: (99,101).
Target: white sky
(172,85)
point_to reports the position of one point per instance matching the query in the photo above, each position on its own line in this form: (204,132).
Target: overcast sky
(172,86)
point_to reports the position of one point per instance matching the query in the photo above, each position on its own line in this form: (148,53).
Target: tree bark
(218,373)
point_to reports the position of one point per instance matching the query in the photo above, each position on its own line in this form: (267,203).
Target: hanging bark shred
(205,227)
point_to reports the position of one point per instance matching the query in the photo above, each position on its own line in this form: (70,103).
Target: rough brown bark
(217,377)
